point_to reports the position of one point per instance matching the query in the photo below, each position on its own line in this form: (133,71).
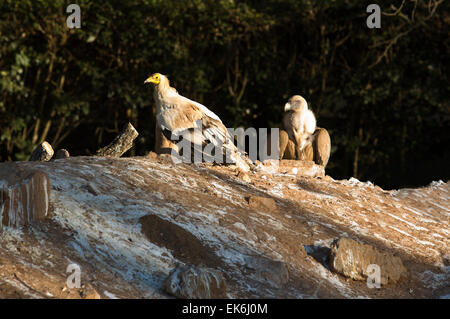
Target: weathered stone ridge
(353,259)
(24,196)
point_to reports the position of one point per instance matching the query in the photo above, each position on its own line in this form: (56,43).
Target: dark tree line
(383,94)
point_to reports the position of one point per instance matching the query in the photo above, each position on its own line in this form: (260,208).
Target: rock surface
(62,153)
(262,203)
(24,195)
(182,244)
(353,259)
(302,168)
(274,272)
(244,176)
(123,221)
(190,282)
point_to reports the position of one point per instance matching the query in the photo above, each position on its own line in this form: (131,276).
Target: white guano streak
(46,196)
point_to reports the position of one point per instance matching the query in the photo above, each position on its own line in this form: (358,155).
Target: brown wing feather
(322,146)
(210,122)
(183,116)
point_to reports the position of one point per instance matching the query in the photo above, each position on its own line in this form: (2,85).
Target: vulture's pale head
(157,79)
(296,103)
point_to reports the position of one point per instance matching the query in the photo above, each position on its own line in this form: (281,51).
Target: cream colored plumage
(179,116)
(299,122)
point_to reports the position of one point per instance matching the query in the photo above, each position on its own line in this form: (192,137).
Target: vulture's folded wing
(186,115)
(216,133)
(180,115)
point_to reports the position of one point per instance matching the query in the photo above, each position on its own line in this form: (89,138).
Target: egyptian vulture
(299,123)
(178,116)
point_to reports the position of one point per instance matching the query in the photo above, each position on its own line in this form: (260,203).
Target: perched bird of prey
(299,123)
(178,115)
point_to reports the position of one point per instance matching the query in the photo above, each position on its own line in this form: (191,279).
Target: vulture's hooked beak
(151,80)
(287,107)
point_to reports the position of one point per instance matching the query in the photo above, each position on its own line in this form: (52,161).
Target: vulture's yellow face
(155,79)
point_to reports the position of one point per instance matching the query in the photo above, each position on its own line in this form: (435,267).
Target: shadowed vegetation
(383,94)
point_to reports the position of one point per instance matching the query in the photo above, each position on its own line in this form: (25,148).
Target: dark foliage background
(383,94)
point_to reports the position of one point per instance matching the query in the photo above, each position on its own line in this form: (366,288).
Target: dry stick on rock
(43,152)
(122,143)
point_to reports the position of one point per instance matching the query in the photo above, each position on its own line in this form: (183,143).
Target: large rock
(352,259)
(24,195)
(189,282)
(62,153)
(272,272)
(182,244)
(262,203)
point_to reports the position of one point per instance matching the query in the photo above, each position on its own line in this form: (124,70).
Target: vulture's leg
(298,144)
(282,142)
(308,152)
(164,141)
(163,145)
(168,134)
(158,139)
